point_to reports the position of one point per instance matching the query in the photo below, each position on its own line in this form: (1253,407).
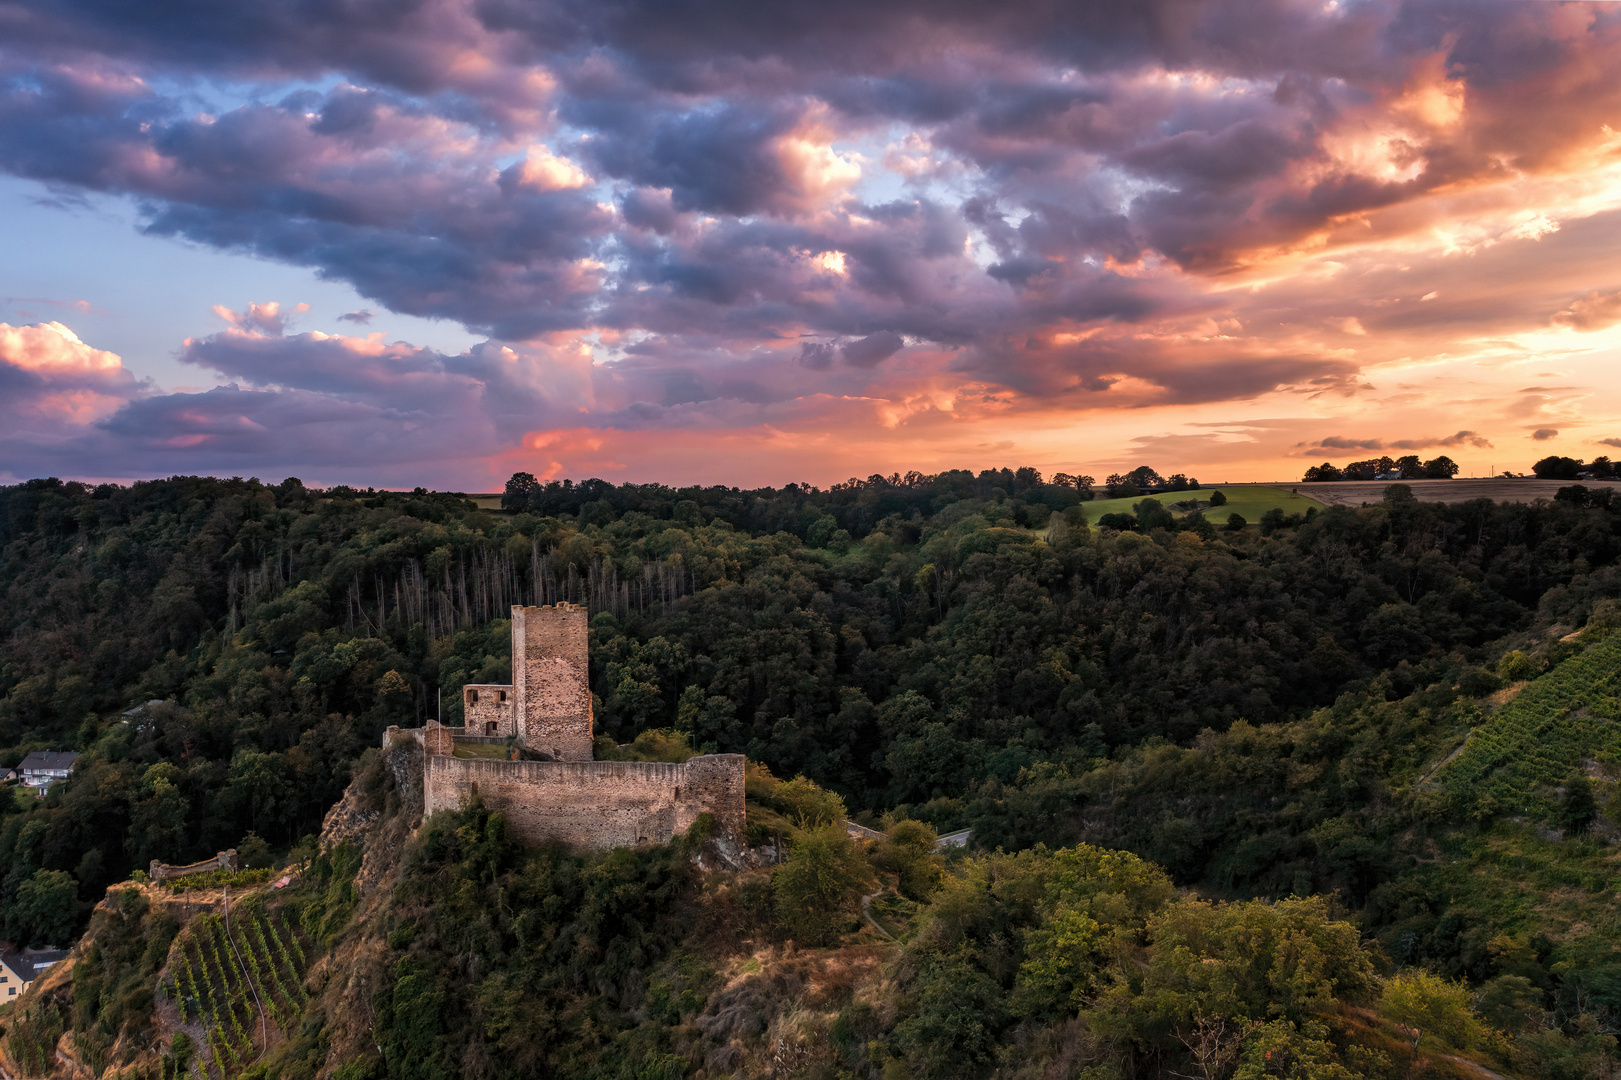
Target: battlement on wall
(594,804)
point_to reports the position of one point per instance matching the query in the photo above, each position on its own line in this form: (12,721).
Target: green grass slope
(1249,501)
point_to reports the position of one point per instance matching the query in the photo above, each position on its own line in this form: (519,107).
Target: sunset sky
(396,243)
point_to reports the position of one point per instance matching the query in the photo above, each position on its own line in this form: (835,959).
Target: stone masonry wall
(550,670)
(594,804)
(438,739)
(488,709)
(225,860)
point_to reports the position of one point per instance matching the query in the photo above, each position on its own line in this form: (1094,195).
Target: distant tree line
(850,504)
(1410,467)
(1385,468)
(1555,467)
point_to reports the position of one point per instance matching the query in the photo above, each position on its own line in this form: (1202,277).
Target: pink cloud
(53,383)
(908,226)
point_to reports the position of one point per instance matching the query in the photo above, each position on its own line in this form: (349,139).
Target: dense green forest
(1262,712)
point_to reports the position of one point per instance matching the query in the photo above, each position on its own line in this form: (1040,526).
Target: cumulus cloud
(52,384)
(1542,434)
(935,214)
(284,401)
(264,317)
(873,349)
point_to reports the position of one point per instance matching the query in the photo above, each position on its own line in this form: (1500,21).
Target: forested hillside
(1260,711)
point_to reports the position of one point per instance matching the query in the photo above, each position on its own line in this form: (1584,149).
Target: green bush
(908,852)
(1516,666)
(1437,1008)
(817,891)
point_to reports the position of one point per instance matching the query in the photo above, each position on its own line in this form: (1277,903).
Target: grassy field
(1250,500)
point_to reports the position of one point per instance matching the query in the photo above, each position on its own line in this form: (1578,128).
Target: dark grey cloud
(1460,438)
(1340,442)
(1542,434)
(873,349)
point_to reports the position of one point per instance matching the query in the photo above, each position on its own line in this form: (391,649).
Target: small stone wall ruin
(225,860)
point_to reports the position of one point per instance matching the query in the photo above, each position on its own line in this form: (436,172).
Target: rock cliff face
(341,914)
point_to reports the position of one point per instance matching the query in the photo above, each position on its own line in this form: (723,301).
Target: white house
(43,768)
(18,970)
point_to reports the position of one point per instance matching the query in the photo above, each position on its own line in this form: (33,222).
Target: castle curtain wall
(597,804)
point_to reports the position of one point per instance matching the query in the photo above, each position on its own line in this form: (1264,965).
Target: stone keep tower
(570,798)
(550,667)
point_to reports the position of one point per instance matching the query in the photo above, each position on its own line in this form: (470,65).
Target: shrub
(816,892)
(909,853)
(253,852)
(1437,1008)
(1577,808)
(1516,666)
(1152,514)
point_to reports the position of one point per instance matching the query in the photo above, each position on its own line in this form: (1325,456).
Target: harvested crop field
(1357,492)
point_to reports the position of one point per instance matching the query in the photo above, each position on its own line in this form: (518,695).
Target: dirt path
(866,913)
(1449,759)
(1476,1067)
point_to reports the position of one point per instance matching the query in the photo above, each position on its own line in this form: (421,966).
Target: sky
(401,242)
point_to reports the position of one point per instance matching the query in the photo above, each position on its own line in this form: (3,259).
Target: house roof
(43,958)
(20,967)
(48,761)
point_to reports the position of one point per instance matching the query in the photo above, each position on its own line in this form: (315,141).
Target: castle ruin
(526,750)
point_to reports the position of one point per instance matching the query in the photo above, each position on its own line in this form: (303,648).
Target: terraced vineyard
(221,981)
(1568,714)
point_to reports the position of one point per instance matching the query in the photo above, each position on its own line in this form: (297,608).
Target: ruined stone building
(525,749)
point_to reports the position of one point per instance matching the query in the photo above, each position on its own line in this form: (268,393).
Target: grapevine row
(217,971)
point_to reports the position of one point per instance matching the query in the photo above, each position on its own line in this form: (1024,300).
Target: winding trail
(866,912)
